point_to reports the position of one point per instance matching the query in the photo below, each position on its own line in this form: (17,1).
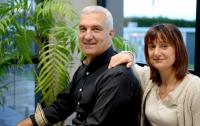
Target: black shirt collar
(101,60)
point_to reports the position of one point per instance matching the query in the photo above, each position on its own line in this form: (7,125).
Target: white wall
(80,4)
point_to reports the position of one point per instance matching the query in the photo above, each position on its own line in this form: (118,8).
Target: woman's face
(161,55)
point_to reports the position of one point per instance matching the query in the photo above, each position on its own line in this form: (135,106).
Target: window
(19,101)
(140,15)
(19,98)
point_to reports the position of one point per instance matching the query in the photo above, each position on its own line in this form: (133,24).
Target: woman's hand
(121,58)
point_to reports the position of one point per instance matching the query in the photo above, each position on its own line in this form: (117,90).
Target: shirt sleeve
(58,111)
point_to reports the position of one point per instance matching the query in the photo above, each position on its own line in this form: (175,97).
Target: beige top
(188,112)
(162,112)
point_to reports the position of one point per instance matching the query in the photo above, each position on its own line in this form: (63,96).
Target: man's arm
(58,111)
(52,114)
(25,122)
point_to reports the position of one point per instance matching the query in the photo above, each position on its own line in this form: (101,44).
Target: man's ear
(112,33)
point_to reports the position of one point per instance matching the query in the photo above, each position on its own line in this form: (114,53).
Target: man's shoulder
(122,74)
(120,69)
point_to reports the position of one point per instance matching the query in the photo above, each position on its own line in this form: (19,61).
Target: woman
(171,94)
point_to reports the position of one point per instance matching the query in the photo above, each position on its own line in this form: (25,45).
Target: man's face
(94,34)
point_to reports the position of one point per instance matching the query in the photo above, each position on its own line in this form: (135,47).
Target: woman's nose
(157,51)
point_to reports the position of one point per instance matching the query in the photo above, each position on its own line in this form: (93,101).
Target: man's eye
(82,29)
(96,29)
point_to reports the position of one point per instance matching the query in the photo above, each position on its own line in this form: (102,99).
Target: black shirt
(100,96)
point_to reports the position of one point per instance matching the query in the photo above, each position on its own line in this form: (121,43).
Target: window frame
(196,70)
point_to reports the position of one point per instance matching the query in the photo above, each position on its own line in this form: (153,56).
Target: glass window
(140,15)
(19,99)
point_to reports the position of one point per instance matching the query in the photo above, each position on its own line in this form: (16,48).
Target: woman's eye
(151,46)
(164,46)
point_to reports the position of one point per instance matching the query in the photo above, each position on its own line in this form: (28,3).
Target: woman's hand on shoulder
(124,57)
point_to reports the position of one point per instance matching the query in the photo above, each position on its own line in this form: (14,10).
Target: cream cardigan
(188,108)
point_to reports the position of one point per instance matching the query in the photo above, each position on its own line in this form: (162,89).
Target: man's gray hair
(100,9)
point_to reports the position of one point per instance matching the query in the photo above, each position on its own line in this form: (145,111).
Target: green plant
(60,43)
(120,44)
(52,26)
(15,36)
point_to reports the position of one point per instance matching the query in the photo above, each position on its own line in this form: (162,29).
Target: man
(99,96)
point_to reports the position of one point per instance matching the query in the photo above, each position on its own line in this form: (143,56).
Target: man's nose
(88,34)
